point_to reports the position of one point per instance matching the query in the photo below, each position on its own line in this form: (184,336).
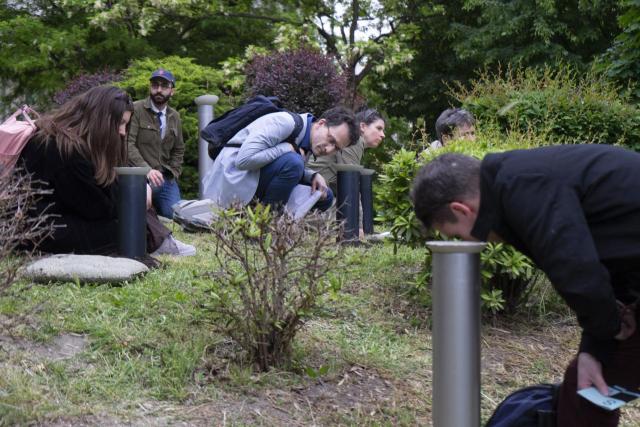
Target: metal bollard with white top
(456,333)
(205,104)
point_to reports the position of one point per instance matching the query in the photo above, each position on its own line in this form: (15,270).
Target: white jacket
(234,176)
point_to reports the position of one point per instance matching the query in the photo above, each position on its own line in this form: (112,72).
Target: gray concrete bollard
(205,104)
(456,333)
(132,211)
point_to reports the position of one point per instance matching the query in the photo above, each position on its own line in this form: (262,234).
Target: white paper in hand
(618,396)
(301,201)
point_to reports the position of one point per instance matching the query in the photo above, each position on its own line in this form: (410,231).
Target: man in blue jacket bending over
(266,168)
(575,210)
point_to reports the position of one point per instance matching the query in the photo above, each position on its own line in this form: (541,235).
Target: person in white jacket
(266,168)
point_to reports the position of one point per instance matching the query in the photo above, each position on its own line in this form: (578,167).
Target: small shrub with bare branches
(17,227)
(273,270)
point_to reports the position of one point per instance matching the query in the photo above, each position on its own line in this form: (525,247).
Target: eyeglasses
(163,85)
(332,139)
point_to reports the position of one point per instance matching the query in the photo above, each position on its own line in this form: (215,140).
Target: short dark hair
(447,178)
(450,119)
(368,116)
(338,115)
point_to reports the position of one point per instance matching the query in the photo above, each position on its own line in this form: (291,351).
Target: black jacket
(575,210)
(85,213)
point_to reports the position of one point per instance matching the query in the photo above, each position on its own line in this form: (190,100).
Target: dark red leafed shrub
(83,82)
(304,80)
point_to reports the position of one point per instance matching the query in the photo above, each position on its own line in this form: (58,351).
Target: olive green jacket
(144,144)
(326,165)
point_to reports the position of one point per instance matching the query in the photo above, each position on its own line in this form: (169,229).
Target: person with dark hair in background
(370,124)
(155,141)
(266,168)
(454,123)
(575,211)
(74,152)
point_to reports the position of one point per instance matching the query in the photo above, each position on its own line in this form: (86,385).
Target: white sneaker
(172,246)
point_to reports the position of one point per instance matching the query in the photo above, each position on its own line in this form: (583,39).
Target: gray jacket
(234,176)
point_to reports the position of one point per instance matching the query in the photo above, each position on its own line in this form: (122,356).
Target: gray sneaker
(172,246)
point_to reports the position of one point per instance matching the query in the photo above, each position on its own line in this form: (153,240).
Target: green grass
(156,352)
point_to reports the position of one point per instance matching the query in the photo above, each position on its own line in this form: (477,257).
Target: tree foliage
(304,80)
(623,58)
(43,44)
(537,32)
(365,36)
(455,38)
(83,82)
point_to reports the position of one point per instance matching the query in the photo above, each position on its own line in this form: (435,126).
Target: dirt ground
(509,360)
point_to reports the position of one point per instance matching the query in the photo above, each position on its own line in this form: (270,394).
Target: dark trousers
(278,178)
(624,370)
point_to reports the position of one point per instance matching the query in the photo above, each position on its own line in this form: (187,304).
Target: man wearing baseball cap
(155,140)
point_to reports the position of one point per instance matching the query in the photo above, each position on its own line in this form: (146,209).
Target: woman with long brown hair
(73,153)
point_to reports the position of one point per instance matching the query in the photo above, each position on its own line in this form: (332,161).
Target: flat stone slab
(62,347)
(84,268)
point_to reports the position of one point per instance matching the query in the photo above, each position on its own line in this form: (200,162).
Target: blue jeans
(165,196)
(278,178)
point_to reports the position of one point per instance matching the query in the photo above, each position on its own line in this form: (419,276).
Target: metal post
(205,105)
(456,333)
(366,198)
(348,199)
(132,208)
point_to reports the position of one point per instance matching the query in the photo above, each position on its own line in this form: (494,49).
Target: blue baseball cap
(161,73)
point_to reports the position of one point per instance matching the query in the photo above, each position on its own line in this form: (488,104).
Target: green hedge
(560,105)
(508,276)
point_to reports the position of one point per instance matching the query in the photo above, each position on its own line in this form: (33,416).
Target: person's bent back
(267,169)
(575,210)
(73,155)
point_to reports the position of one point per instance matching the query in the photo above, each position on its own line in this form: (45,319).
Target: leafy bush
(507,274)
(83,82)
(560,104)
(273,271)
(393,206)
(17,227)
(305,80)
(192,80)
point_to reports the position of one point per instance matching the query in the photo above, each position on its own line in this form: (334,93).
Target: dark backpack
(220,130)
(533,406)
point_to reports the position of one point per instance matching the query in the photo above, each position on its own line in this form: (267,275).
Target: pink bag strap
(25,110)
